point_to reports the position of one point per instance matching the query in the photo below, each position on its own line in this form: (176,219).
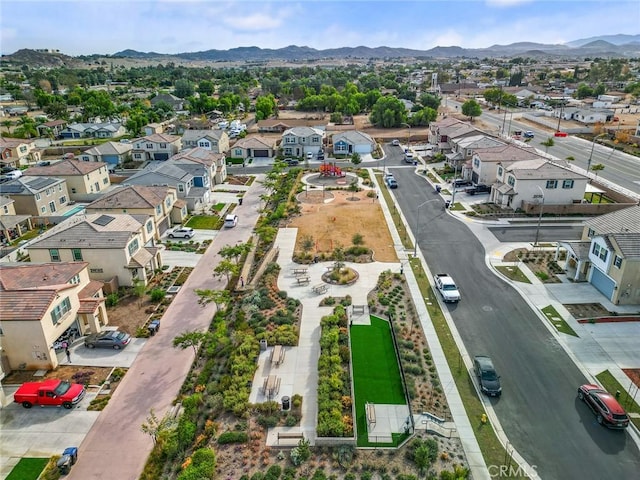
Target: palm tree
(7,124)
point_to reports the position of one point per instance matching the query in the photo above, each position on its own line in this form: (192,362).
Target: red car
(561,134)
(607,409)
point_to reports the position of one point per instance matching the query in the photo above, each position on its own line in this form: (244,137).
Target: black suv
(478,189)
(488,379)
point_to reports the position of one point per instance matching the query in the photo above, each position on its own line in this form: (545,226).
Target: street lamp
(409,138)
(539,216)
(415,246)
(593,144)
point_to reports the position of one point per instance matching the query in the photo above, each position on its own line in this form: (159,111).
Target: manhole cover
(487,308)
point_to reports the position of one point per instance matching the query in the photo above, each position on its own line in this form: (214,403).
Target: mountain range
(616,46)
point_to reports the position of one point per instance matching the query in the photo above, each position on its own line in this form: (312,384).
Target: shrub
(157,295)
(233,437)
(112,300)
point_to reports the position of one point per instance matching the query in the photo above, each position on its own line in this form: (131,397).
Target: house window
(290,140)
(237,152)
(158,209)
(73,190)
(77,254)
(60,187)
(133,247)
(163,145)
(43,209)
(552,184)
(500,172)
(181,187)
(52,206)
(62,200)
(75,280)
(137,156)
(6,210)
(149,227)
(54,254)
(96,270)
(97,185)
(105,180)
(60,311)
(567,184)
(315,139)
(476,162)
(167,202)
(599,252)
(511,180)
(149,146)
(591,232)
(617,261)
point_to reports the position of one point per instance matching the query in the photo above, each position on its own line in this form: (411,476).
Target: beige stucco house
(39,303)
(159,146)
(18,151)
(214,140)
(159,202)
(120,248)
(85,180)
(37,196)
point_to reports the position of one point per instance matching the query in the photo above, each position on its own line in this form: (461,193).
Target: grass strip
(628,402)
(28,469)
(397,219)
(513,273)
(557,321)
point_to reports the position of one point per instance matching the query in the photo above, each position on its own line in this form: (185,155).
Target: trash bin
(286,404)
(154,326)
(263,344)
(438,188)
(240,201)
(67,460)
(447,203)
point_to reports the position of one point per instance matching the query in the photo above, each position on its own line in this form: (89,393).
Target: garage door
(261,153)
(161,156)
(603,283)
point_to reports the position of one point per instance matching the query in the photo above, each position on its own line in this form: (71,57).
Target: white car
(182,232)
(395,143)
(309,155)
(230,221)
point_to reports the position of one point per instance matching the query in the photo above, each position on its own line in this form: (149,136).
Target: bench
(371,413)
(300,271)
(277,355)
(320,288)
(290,435)
(303,280)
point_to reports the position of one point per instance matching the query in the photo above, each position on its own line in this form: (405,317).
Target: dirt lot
(335,221)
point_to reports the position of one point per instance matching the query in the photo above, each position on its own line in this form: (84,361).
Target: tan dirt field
(335,221)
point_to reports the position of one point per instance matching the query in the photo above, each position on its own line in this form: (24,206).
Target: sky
(85,27)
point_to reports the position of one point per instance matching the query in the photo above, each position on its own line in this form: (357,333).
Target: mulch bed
(610,319)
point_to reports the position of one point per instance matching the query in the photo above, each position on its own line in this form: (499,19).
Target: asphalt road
(538,410)
(620,168)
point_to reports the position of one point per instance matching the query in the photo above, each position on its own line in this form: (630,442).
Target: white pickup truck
(447,288)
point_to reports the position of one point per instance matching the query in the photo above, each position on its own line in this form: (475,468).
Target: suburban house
(298,141)
(12,226)
(54,127)
(40,303)
(175,102)
(537,181)
(18,151)
(158,146)
(114,154)
(275,125)
(85,180)
(462,150)
(215,140)
(208,168)
(254,147)
(93,130)
(120,248)
(441,133)
(159,202)
(37,196)
(171,175)
(485,159)
(608,255)
(352,141)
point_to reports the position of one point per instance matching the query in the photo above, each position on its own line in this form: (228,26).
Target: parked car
(478,188)
(53,392)
(309,155)
(292,162)
(12,175)
(488,379)
(391,181)
(604,405)
(108,339)
(408,157)
(320,156)
(182,232)
(561,134)
(230,220)
(460,182)
(395,143)
(529,134)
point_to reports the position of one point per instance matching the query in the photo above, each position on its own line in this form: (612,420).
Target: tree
(356,159)
(598,167)
(388,112)
(549,142)
(471,109)
(430,100)
(7,124)
(227,269)
(265,106)
(183,88)
(206,87)
(138,290)
(307,244)
(357,239)
(219,297)
(353,188)
(191,339)
(155,427)
(584,91)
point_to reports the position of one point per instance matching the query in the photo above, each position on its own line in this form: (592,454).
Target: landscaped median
(627,401)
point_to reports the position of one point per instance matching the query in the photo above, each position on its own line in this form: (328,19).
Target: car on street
(292,162)
(408,157)
(309,155)
(391,181)
(114,339)
(529,134)
(230,221)
(395,143)
(488,379)
(606,408)
(181,232)
(320,156)
(561,134)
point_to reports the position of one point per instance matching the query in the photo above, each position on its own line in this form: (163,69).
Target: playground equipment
(331,170)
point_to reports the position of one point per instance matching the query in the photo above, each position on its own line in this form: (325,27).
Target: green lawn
(513,273)
(557,321)
(28,469)
(204,222)
(376,375)
(612,386)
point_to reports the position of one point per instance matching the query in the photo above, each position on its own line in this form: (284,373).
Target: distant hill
(603,46)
